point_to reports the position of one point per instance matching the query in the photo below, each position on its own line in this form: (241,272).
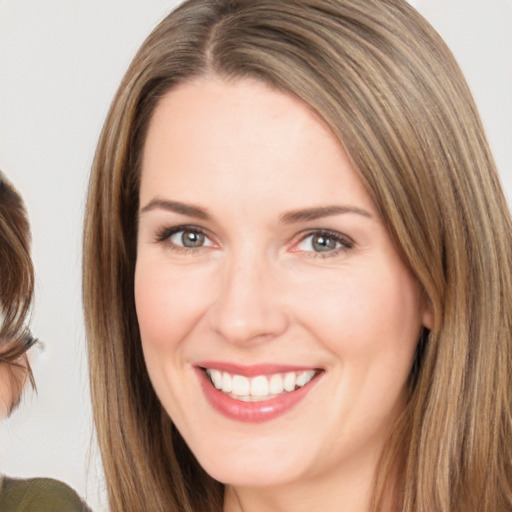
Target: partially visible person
(16,295)
(298,269)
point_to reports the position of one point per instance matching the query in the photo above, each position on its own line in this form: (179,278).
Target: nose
(247,306)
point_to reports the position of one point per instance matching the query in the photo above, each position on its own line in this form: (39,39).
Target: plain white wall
(60,63)
(479,32)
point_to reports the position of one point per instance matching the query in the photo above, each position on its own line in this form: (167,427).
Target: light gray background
(60,63)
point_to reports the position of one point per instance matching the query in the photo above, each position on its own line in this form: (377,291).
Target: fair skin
(261,253)
(6,395)
(12,381)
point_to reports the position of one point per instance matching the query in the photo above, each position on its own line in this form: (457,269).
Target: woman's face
(278,322)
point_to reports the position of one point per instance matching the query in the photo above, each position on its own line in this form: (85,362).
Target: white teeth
(305,377)
(241,385)
(276,384)
(261,387)
(289,381)
(227,383)
(216,377)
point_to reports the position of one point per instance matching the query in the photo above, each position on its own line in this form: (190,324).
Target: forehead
(212,136)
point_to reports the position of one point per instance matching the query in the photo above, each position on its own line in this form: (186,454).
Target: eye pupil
(323,243)
(192,239)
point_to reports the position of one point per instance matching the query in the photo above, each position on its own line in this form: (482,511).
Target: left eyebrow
(308,214)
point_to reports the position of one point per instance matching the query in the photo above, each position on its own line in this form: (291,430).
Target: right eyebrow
(189,210)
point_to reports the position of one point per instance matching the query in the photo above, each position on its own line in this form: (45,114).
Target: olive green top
(38,495)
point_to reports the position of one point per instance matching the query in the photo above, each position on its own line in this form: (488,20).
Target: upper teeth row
(262,385)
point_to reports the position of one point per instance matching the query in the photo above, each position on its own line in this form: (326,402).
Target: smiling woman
(279,317)
(241,280)
(292,281)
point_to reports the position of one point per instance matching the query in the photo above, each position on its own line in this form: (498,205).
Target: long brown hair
(391,91)
(16,290)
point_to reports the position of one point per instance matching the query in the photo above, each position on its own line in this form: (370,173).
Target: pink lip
(251,412)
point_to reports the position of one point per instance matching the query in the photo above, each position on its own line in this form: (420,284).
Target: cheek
(368,317)
(170,303)
(372,329)
(154,305)
(12,381)
(6,397)
(165,315)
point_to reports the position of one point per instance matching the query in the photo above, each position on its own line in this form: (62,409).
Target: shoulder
(39,495)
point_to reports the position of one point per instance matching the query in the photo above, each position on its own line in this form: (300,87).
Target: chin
(247,466)
(247,475)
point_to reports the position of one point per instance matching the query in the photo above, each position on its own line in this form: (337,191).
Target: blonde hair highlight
(391,91)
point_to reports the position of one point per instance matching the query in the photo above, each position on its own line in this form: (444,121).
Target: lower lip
(252,412)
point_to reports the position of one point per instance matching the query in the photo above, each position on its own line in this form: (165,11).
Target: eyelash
(164,235)
(345,243)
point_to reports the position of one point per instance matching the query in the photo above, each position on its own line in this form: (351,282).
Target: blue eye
(324,243)
(183,237)
(188,238)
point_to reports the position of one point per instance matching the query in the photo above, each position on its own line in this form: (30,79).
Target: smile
(260,387)
(257,393)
